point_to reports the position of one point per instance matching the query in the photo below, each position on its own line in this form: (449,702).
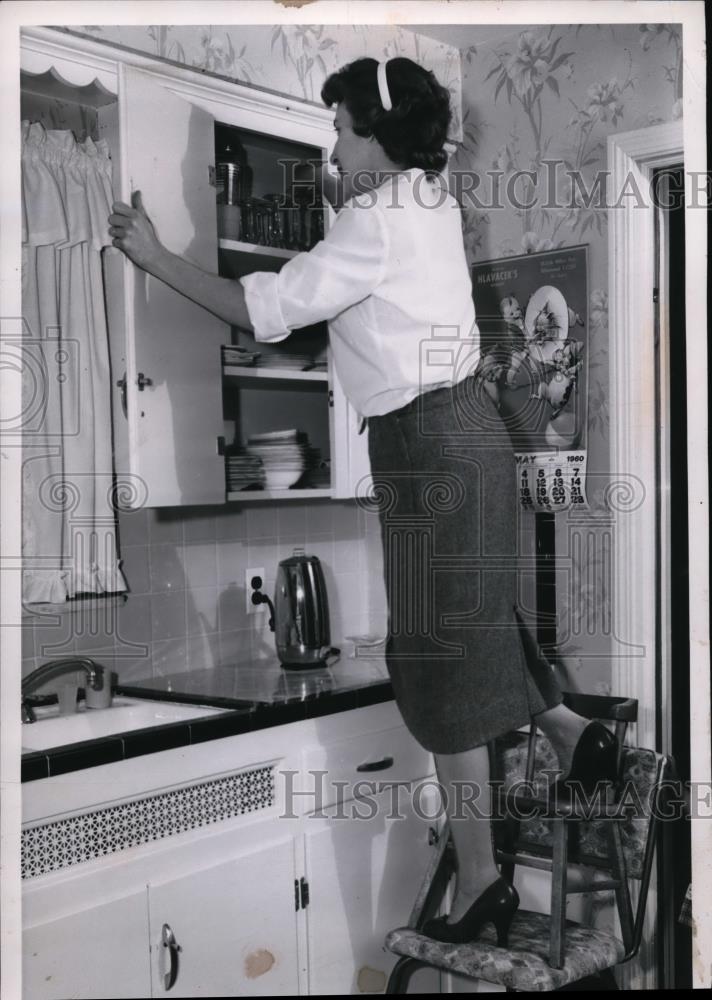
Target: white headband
(383,86)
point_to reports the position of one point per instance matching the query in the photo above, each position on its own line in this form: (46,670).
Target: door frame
(632,158)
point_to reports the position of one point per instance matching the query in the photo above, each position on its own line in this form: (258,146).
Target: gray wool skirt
(463,665)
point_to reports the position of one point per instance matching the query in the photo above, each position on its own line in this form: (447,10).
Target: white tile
(165,525)
(235,647)
(134,621)
(346,595)
(93,628)
(264,552)
(201,569)
(292,520)
(320,517)
(203,652)
(347,554)
(54,640)
(201,610)
(231,522)
(167,571)
(136,568)
(345,519)
(231,609)
(169,657)
(133,527)
(263,644)
(232,561)
(262,521)
(130,669)
(199,525)
(168,615)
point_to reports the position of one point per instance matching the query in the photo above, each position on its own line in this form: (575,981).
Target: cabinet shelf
(308,493)
(247,373)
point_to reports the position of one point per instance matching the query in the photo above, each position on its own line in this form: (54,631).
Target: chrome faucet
(56,668)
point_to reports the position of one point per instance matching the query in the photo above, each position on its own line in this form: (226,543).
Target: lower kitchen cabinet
(99,951)
(227,930)
(273,902)
(364,870)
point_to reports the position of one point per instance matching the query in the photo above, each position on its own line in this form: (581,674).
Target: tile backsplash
(185,569)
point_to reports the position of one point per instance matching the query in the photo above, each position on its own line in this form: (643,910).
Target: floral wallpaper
(543,95)
(524,97)
(289,59)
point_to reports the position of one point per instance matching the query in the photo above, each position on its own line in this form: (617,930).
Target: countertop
(266,682)
(253,696)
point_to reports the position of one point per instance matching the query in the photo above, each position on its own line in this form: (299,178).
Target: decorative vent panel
(72,841)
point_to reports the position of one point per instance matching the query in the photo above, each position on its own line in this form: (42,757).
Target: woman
(392,279)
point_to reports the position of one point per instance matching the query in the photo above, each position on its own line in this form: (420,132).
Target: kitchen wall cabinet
(170,421)
(277,902)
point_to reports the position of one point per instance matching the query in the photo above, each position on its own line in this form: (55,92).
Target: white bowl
(281,479)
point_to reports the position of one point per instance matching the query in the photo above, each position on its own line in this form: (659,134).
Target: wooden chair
(546,843)
(546,951)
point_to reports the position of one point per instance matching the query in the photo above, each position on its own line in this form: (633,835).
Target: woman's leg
(465,776)
(562,727)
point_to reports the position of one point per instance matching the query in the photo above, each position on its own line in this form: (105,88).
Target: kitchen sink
(125,715)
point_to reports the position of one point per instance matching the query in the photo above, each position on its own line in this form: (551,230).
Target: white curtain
(69,526)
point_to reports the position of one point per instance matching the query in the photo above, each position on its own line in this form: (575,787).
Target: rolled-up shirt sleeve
(341,270)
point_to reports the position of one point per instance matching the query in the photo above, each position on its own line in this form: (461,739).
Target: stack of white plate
(234,355)
(299,362)
(244,471)
(284,456)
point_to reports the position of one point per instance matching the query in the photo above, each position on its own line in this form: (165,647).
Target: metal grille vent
(71,841)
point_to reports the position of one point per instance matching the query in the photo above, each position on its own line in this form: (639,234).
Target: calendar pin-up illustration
(531,313)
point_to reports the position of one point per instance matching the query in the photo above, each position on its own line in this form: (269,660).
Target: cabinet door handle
(121,384)
(168,939)
(376,765)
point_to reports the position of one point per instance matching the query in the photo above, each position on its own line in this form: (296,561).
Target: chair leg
(401,973)
(558,895)
(617,859)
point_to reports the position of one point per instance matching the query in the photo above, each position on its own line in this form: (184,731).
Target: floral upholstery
(522,966)
(639,772)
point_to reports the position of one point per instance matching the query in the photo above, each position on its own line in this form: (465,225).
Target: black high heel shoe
(595,759)
(496,905)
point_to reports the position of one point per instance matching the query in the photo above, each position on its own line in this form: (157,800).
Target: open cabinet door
(170,347)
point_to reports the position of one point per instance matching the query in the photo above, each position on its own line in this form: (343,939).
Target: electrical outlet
(254,609)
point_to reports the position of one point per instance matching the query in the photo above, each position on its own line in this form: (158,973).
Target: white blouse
(391,278)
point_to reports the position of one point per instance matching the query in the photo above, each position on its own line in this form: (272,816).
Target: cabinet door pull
(169,941)
(142,381)
(121,383)
(376,765)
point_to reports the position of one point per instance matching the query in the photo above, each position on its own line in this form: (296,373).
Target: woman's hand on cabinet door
(133,232)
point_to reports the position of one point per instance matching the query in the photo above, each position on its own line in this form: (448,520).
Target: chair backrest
(642,771)
(645,781)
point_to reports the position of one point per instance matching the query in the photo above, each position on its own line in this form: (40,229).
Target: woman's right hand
(133,232)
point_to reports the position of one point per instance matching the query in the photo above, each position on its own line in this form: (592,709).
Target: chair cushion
(524,965)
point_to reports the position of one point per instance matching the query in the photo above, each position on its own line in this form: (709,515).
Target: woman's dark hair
(413,133)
